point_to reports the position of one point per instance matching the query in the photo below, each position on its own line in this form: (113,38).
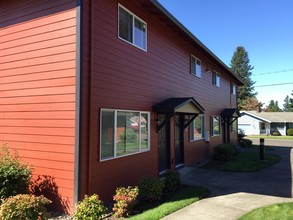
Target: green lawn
(280,211)
(184,197)
(270,137)
(250,162)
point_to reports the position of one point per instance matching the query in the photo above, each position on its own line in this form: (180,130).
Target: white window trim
(203,130)
(133,17)
(115,134)
(212,126)
(215,80)
(196,59)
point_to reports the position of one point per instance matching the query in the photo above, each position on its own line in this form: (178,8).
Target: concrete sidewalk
(233,194)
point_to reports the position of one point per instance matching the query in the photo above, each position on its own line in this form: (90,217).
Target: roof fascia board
(197,41)
(255,116)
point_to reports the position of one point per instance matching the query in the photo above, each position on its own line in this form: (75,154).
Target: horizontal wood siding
(125,77)
(37,85)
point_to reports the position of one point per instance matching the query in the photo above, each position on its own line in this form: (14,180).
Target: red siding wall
(125,77)
(37,85)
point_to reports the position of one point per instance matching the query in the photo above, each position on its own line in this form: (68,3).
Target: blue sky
(263,27)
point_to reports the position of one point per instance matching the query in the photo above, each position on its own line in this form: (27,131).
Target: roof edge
(195,39)
(250,114)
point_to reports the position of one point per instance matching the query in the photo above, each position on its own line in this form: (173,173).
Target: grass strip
(178,200)
(272,212)
(250,162)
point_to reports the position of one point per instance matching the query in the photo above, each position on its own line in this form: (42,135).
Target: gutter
(78,105)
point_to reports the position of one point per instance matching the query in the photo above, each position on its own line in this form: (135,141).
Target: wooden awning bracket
(190,121)
(163,123)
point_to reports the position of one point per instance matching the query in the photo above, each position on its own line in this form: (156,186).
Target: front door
(164,144)
(179,139)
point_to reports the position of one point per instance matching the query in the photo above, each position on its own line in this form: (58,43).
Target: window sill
(195,140)
(127,155)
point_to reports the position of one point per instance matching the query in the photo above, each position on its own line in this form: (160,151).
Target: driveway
(233,193)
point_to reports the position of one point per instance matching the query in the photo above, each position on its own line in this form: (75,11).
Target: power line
(279,84)
(279,71)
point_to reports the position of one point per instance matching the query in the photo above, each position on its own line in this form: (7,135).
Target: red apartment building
(99,94)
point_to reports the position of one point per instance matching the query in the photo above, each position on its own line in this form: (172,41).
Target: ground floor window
(197,128)
(123,133)
(215,128)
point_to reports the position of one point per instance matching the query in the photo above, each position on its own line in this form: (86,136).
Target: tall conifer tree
(241,68)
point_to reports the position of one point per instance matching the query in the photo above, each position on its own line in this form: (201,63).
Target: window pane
(216,125)
(128,129)
(197,128)
(144,131)
(193,65)
(107,134)
(140,34)
(125,25)
(198,68)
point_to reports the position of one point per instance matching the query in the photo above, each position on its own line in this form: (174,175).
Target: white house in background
(256,123)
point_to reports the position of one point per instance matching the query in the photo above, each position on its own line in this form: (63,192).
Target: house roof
(179,105)
(230,113)
(276,117)
(173,22)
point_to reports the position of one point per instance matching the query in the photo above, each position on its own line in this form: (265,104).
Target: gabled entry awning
(186,105)
(230,113)
(183,106)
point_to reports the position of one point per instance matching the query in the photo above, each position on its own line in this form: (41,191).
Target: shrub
(90,208)
(125,200)
(151,189)
(14,175)
(245,143)
(276,133)
(24,207)
(128,135)
(290,132)
(172,181)
(224,152)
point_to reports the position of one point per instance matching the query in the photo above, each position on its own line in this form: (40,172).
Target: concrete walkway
(234,194)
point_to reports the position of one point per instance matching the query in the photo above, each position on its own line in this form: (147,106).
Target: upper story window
(123,133)
(233,89)
(216,79)
(216,126)
(132,29)
(195,66)
(197,128)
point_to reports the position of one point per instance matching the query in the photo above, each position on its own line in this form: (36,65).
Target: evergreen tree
(240,67)
(273,107)
(286,104)
(291,103)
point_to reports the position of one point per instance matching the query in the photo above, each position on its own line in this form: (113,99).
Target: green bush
(290,132)
(125,200)
(128,135)
(276,133)
(172,181)
(24,207)
(245,143)
(151,189)
(90,208)
(14,174)
(224,152)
